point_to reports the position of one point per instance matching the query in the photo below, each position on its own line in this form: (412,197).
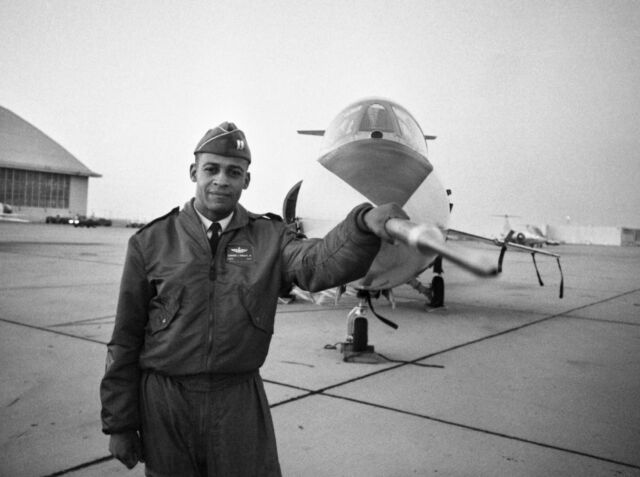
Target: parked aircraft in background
(530,235)
(375,151)
(7,214)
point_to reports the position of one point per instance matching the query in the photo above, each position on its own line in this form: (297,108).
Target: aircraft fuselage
(374,151)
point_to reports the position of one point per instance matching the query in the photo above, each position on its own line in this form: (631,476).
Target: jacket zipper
(212,283)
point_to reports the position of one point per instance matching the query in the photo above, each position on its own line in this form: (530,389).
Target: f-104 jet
(375,151)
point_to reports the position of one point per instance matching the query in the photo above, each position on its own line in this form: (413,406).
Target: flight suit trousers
(206,426)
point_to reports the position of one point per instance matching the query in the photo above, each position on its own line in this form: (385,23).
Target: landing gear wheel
(360,334)
(437,292)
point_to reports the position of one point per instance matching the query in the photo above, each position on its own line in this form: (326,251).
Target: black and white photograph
(341,238)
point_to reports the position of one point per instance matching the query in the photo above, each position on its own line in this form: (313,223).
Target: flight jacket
(182,311)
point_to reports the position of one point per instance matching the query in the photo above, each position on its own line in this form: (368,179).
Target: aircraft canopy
(375,118)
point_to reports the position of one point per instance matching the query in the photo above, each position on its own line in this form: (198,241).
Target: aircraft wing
(499,243)
(508,244)
(320,132)
(311,132)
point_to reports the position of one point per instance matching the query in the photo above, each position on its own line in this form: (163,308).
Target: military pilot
(195,316)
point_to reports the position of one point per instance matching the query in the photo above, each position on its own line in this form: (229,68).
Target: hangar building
(38,177)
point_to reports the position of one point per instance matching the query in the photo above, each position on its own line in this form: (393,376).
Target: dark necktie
(215,237)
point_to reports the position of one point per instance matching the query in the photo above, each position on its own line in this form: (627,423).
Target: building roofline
(69,172)
(24,146)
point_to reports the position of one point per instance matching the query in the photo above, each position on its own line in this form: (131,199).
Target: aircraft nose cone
(381,170)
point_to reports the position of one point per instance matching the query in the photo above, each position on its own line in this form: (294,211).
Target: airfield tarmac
(506,379)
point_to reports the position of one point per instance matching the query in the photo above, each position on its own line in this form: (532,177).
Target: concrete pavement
(506,379)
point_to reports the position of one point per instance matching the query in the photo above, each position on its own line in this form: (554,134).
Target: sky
(536,104)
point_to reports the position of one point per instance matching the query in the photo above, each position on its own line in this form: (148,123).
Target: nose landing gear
(356,348)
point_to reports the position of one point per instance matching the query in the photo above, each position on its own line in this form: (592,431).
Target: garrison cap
(226,140)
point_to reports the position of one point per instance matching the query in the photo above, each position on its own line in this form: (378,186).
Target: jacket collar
(192,224)
(240,218)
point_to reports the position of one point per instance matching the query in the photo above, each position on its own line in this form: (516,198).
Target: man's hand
(376,218)
(126,447)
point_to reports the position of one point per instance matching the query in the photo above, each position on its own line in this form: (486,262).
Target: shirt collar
(207,223)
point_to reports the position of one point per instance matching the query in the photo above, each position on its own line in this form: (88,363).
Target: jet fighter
(374,150)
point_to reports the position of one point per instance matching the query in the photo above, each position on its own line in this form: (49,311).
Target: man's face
(220,181)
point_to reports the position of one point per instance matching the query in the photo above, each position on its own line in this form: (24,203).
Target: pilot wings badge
(239,253)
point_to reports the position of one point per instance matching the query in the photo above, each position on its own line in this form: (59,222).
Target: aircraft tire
(360,334)
(437,292)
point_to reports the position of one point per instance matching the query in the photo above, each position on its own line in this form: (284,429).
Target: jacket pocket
(163,309)
(260,309)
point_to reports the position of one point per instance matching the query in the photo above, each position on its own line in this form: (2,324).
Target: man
(195,315)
